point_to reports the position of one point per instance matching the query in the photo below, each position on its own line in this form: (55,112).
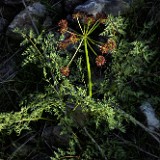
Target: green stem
(33,119)
(91,48)
(80,26)
(94,42)
(88,26)
(75,53)
(93,27)
(40,54)
(88,68)
(34,45)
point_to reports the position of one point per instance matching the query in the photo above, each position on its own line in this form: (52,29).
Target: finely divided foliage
(65,99)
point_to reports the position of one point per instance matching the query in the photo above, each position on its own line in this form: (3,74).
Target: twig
(152,133)
(137,147)
(56,3)
(19,148)
(92,139)
(34,26)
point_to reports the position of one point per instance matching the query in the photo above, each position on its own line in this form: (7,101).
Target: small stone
(152,121)
(34,13)
(95,7)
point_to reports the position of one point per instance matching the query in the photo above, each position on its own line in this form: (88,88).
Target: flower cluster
(64,44)
(100,61)
(72,39)
(101,17)
(90,24)
(78,15)
(89,20)
(109,46)
(63,24)
(65,71)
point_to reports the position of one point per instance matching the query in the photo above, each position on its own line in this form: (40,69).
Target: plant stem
(93,27)
(97,145)
(91,48)
(94,42)
(80,26)
(88,67)
(75,53)
(33,23)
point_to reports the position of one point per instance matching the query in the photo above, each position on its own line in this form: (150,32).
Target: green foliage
(114,25)
(62,98)
(87,26)
(131,69)
(65,101)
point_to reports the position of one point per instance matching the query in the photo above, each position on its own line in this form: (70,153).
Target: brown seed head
(77,15)
(65,71)
(89,20)
(111,44)
(64,44)
(104,48)
(100,61)
(73,38)
(63,24)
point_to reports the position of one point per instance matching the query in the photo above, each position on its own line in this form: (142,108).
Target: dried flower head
(104,48)
(111,44)
(65,71)
(100,61)
(73,38)
(101,17)
(64,44)
(89,20)
(77,15)
(63,24)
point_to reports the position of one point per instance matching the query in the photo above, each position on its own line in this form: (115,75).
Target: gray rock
(11,2)
(152,121)
(30,18)
(94,7)
(69,5)
(116,7)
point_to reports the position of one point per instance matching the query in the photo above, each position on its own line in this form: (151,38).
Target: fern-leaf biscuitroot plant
(87,25)
(91,113)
